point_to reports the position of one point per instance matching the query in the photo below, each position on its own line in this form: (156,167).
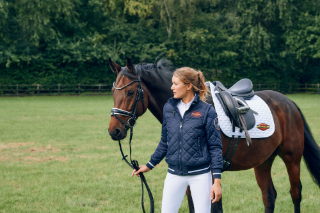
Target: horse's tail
(311,152)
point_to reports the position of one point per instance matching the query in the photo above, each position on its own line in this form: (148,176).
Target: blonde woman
(191,143)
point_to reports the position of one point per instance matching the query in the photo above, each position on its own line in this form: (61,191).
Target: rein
(129,125)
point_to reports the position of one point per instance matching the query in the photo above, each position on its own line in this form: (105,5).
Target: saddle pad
(264,125)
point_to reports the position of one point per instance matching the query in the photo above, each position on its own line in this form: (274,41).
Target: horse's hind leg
(295,184)
(264,180)
(291,153)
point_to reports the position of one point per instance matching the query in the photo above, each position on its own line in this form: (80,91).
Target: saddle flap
(229,104)
(248,117)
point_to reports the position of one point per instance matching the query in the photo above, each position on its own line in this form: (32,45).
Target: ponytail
(203,89)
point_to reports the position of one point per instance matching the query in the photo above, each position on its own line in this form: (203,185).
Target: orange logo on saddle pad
(196,114)
(263,126)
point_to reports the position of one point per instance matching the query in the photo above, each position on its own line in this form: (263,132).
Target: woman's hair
(190,76)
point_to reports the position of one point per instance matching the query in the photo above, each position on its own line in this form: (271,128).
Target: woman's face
(180,89)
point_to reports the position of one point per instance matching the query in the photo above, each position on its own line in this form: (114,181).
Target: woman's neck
(186,99)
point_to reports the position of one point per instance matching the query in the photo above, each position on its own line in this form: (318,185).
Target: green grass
(56,156)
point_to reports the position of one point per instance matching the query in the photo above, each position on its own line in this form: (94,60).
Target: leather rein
(129,125)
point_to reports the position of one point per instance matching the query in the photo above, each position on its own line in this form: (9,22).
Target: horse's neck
(158,97)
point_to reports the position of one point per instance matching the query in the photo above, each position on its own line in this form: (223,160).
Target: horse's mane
(158,70)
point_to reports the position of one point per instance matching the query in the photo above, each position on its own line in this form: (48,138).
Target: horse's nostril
(116,132)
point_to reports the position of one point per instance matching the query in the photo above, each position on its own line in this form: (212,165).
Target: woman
(191,143)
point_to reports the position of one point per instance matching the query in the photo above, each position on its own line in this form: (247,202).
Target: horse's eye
(130,93)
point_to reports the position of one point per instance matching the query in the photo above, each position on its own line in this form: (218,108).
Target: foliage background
(69,41)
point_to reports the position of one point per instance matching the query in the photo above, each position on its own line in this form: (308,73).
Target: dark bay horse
(291,140)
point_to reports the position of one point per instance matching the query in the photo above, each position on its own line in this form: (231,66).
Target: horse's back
(281,106)
(288,121)
(274,99)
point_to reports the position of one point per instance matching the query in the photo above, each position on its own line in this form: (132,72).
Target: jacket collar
(174,101)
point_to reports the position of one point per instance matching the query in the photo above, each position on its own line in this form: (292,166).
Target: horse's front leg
(190,202)
(215,207)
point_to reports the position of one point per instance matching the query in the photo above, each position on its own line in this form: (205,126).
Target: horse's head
(130,99)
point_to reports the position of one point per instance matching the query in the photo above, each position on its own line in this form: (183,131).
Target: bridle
(129,125)
(133,114)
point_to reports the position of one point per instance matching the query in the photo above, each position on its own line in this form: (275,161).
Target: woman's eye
(130,93)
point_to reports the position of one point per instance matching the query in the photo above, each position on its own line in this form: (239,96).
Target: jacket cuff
(216,173)
(150,165)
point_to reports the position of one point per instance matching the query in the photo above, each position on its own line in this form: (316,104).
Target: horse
(291,140)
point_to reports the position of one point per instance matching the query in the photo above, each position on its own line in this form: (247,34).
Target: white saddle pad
(264,126)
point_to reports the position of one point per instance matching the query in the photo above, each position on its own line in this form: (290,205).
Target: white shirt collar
(184,107)
(187,104)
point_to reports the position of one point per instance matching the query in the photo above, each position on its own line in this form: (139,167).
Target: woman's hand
(216,190)
(142,169)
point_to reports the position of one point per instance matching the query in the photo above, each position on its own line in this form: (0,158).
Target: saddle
(235,106)
(243,88)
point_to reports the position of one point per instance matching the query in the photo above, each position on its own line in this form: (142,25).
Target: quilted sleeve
(214,143)
(161,150)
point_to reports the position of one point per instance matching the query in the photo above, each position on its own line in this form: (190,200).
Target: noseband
(129,125)
(133,114)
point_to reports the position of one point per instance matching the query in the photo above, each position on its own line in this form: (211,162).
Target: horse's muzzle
(118,134)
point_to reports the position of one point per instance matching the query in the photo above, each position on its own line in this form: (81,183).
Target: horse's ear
(130,66)
(114,67)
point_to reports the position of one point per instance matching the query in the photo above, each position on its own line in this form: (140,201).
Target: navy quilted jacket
(190,143)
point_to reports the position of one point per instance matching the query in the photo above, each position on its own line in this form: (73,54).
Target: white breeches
(175,187)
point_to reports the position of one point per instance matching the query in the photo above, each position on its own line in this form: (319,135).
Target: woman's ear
(189,87)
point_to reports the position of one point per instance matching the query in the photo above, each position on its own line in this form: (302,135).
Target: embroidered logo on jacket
(263,126)
(196,114)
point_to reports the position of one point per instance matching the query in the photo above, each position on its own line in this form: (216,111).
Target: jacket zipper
(180,142)
(180,145)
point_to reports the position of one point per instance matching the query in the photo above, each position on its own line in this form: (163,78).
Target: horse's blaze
(263,126)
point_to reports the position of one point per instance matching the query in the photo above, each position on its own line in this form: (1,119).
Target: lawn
(56,156)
